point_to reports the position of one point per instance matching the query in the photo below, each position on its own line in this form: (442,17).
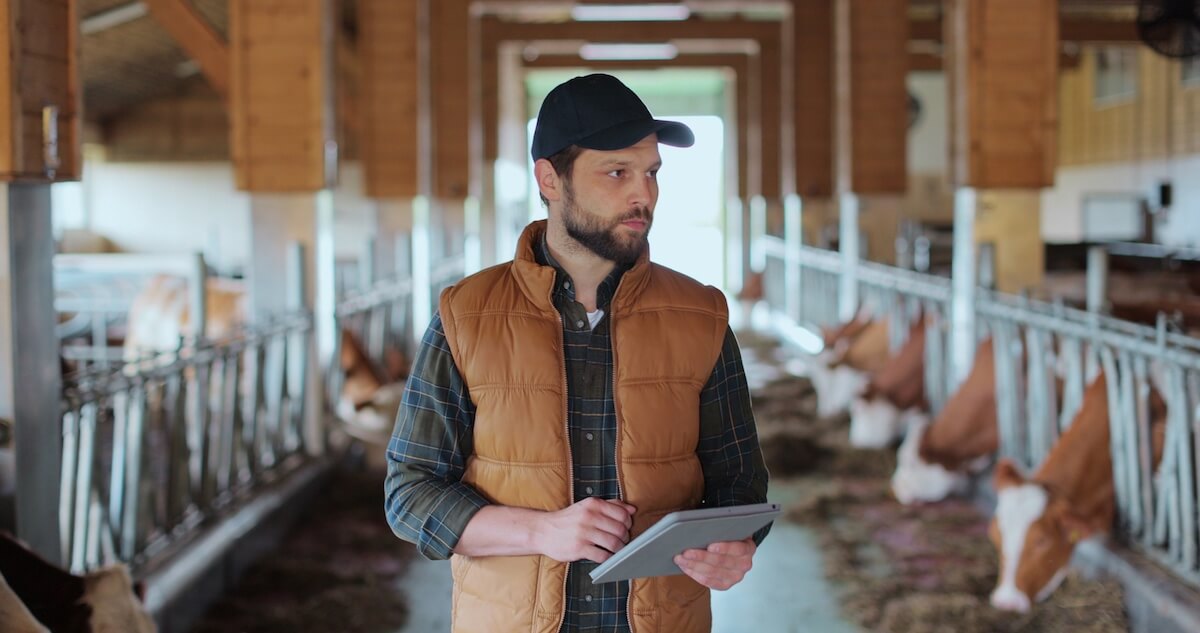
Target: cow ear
(1006,475)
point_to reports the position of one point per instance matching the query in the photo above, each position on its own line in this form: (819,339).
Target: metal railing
(94,292)
(380,317)
(1046,355)
(154,451)
(1155,502)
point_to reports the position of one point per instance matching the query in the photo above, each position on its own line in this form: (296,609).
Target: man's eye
(616,173)
(654,175)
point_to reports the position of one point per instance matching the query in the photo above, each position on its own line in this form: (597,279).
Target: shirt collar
(565,286)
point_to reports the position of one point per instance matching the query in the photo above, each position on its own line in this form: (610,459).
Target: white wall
(185,207)
(1062,206)
(927,141)
(171,208)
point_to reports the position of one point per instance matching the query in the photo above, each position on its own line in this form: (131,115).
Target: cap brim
(629,133)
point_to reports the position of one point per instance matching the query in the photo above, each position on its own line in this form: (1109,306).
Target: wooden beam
(281,94)
(451,71)
(388,32)
(198,39)
(1002,61)
(693,28)
(1072,28)
(812,89)
(40,108)
(871,96)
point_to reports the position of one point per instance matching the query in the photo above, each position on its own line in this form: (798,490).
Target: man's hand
(719,567)
(591,529)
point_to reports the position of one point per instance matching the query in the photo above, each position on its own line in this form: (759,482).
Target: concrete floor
(784,593)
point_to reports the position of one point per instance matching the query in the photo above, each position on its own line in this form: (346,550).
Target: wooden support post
(282,140)
(870,125)
(1002,80)
(389,35)
(40,130)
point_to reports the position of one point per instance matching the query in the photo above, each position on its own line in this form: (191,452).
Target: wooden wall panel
(281,98)
(1162,120)
(450,78)
(871,67)
(389,96)
(39,67)
(1003,81)
(812,21)
(193,126)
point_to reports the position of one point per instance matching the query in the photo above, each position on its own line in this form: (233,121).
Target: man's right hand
(592,529)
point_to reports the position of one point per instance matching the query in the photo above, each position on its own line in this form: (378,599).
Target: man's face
(608,203)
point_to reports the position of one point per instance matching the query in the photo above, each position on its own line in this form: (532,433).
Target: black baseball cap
(599,112)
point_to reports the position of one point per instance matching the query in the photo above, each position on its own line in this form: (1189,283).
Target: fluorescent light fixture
(115,16)
(625,52)
(630,12)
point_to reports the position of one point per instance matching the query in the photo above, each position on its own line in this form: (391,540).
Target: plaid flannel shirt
(427,503)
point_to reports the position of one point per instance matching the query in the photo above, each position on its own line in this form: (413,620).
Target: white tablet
(653,552)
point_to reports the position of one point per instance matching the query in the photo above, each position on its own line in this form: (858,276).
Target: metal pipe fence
(381,319)
(1046,355)
(155,450)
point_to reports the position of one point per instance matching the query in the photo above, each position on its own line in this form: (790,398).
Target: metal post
(368,266)
(793,208)
(734,272)
(472,244)
(422,284)
(987,265)
(1097,278)
(848,247)
(30,378)
(198,287)
(758,229)
(962,288)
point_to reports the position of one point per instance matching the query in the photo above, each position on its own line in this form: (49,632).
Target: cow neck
(1079,467)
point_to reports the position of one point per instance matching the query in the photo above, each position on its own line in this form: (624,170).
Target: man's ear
(547,180)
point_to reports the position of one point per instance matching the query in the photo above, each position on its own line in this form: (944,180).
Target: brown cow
(101,601)
(159,317)
(894,398)
(1039,520)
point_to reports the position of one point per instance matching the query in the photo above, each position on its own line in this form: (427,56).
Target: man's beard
(599,237)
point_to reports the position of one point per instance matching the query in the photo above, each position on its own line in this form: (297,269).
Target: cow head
(918,481)
(1034,532)
(836,387)
(115,605)
(875,422)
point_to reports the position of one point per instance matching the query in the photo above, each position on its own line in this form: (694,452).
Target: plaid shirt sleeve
(425,499)
(734,472)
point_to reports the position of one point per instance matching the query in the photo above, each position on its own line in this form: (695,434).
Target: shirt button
(567,285)
(579,324)
(589,491)
(589,435)
(587,598)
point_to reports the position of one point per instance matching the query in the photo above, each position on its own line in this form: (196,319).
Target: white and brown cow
(160,316)
(934,460)
(894,398)
(36,594)
(852,352)
(1040,519)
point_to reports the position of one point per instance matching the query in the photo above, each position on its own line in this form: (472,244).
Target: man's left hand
(720,566)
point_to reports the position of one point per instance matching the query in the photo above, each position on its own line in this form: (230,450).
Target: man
(563,402)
